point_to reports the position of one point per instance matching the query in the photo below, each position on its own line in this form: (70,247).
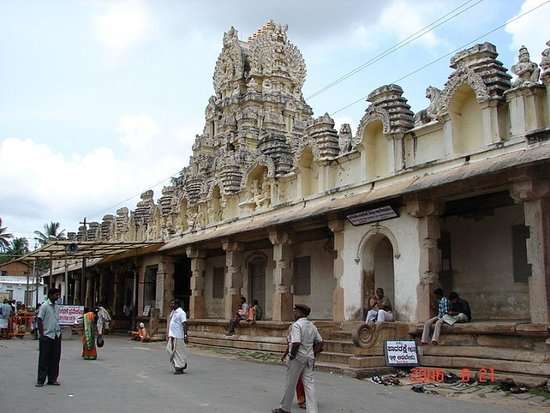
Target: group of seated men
(450,310)
(245,312)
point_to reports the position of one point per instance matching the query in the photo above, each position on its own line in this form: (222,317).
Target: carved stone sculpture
(545,62)
(527,72)
(430,113)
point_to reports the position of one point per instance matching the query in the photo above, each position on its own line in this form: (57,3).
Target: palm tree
(4,237)
(18,247)
(51,233)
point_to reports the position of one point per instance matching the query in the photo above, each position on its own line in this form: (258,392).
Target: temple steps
(334,357)
(338,346)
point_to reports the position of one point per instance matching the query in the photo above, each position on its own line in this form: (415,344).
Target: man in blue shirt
(443,307)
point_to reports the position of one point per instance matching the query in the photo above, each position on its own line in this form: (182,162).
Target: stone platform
(513,349)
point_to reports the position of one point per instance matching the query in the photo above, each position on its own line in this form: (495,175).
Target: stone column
(283,300)
(116,286)
(535,195)
(429,260)
(165,285)
(337,227)
(526,109)
(233,276)
(489,119)
(197,307)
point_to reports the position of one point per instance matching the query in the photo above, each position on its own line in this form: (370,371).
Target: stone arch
(377,252)
(307,170)
(463,76)
(466,119)
(375,147)
(256,278)
(372,114)
(261,161)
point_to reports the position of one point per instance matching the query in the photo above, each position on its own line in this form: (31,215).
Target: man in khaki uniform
(305,344)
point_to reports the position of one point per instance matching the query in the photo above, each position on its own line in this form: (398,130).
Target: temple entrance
(182,282)
(378,269)
(256,280)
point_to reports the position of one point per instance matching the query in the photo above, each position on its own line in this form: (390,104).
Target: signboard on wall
(68,314)
(401,353)
(368,216)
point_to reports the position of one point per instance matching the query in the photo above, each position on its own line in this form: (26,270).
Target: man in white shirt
(177,337)
(305,344)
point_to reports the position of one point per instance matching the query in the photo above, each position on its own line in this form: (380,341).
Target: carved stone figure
(430,113)
(545,62)
(527,72)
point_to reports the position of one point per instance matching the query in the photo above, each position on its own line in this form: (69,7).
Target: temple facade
(278,206)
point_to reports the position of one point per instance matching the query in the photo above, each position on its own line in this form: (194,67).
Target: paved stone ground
(133,377)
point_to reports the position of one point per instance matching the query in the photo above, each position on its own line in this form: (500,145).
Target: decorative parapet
(389,107)
(323,135)
(107,227)
(94,231)
(166,200)
(478,68)
(275,146)
(144,208)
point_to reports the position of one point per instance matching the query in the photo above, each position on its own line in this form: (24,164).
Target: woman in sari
(89,351)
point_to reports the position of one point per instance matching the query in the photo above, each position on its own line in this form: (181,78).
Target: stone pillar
(526,109)
(197,307)
(447,135)
(429,260)
(337,227)
(398,146)
(545,77)
(489,118)
(283,300)
(76,296)
(138,311)
(165,285)
(233,277)
(89,291)
(116,286)
(535,195)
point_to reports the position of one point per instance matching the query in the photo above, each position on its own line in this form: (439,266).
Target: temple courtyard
(134,377)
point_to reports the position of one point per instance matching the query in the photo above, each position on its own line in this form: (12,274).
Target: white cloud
(401,19)
(122,25)
(39,184)
(530,30)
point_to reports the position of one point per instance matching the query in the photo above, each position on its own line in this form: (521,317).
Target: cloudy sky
(100,100)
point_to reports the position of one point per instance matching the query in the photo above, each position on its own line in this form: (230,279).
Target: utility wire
(409,39)
(378,57)
(418,69)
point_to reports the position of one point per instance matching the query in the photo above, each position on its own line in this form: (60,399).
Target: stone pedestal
(233,277)
(197,309)
(526,109)
(283,300)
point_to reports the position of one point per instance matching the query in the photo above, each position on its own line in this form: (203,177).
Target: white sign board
(401,353)
(68,314)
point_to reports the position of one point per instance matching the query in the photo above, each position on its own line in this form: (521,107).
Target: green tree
(51,233)
(4,237)
(18,247)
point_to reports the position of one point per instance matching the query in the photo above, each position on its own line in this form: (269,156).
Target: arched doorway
(377,260)
(256,280)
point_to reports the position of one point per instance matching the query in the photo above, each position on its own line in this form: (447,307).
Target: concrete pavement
(134,377)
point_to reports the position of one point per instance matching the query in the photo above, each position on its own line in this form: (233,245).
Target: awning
(71,250)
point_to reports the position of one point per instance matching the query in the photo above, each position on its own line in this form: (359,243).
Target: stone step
(334,357)
(484,352)
(345,370)
(340,335)
(339,346)
(508,366)
(271,344)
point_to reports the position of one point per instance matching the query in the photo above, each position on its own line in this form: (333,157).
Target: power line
(519,16)
(409,39)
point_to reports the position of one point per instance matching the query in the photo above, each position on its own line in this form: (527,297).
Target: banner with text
(68,314)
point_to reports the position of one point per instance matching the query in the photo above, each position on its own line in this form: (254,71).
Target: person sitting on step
(380,308)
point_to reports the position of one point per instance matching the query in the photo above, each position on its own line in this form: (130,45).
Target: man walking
(177,337)
(305,344)
(50,340)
